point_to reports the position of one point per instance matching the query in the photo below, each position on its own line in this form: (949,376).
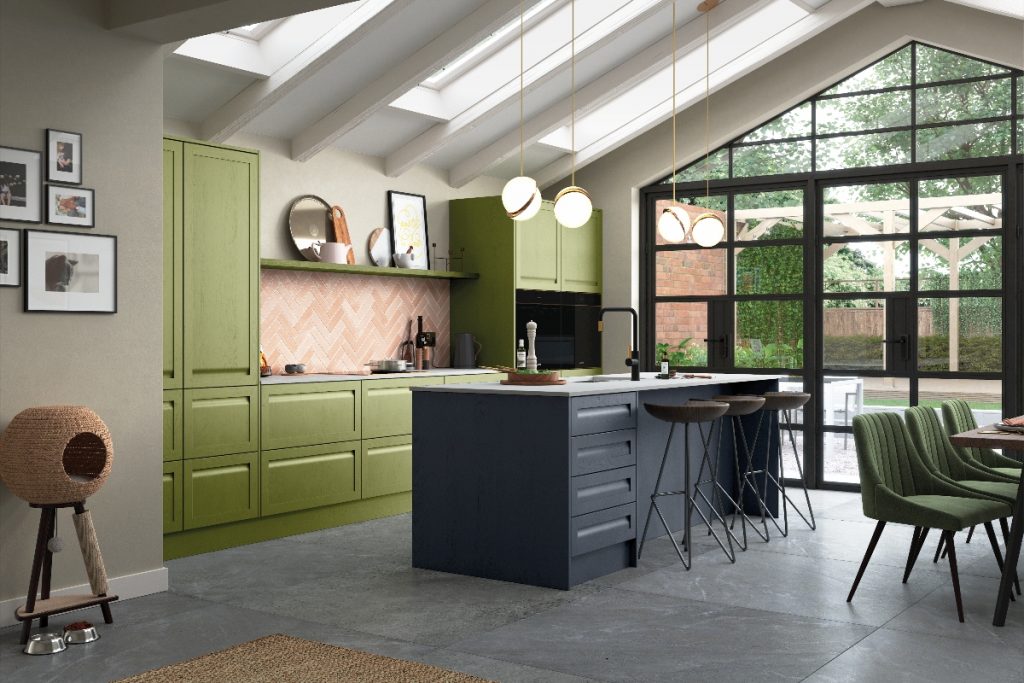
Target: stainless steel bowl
(81,634)
(45,644)
(391,365)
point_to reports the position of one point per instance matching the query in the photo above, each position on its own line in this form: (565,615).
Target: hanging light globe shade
(708,230)
(674,224)
(573,206)
(521,198)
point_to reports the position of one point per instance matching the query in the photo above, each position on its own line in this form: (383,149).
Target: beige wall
(59,68)
(614,179)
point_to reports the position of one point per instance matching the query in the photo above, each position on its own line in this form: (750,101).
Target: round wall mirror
(309,221)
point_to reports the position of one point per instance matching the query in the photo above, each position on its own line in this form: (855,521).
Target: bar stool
(740,406)
(692,412)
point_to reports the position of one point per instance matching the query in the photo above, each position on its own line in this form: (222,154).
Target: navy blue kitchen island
(549,485)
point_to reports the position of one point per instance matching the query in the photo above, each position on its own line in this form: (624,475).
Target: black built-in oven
(567,335)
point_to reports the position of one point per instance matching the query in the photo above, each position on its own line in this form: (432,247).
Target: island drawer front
(604,451)
(603,413)
(309,414)
(603,490)
(603,528)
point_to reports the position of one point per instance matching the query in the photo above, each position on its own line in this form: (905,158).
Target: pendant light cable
(673,101)
(572,98)
(522,114)
(707,104)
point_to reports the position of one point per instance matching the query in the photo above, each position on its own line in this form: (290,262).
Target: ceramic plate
(1009,428)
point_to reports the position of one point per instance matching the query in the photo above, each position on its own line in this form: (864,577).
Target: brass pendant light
(521,196)
(674,222)
(708,228)
(572,204)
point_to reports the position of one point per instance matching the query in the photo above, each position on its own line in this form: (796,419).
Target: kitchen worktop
(586,386)
(322,377)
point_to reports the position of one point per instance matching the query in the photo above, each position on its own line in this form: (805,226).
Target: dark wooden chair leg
(37,566)
(915,551)
(867,558)
(970,535)
(955,576)
(1004,526)
(995,549)
(938,548)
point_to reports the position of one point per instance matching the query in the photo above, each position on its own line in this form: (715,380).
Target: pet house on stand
(56,457)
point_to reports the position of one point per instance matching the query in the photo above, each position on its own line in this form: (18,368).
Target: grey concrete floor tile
(497,670)
(624,636)
(790,584)
(888,655)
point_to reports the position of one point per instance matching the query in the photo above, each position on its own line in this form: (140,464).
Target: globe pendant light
(708,229)
(521,196)
(572,204)
(674,222)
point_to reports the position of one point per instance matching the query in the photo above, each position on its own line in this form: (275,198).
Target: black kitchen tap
(633,362)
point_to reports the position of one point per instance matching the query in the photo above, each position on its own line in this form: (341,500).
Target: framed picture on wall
(70,272)
(10,257)
(70,206)
(20,185)
(407,219)
(63,157)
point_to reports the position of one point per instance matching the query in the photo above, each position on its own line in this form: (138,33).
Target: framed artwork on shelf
(10,257)
(68,272)
(407,220)
(20,185)
(63,157)
(75,206)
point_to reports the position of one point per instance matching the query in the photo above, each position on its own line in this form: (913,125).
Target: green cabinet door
(221,257)
(537,263)
(173,244)
(309,414)
(221,421)
(221,489)
(580,254)
(172,497)
(308,477)
(387,405)
(387,466)
(174,407)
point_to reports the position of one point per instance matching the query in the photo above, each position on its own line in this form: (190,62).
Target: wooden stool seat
(690,412)
(742,405)
(785,400)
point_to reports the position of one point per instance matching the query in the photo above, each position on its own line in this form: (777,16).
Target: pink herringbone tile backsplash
(335,323)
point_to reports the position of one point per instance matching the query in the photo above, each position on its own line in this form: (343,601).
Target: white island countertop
(608,384)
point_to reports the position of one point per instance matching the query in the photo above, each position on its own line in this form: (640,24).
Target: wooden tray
(541,380)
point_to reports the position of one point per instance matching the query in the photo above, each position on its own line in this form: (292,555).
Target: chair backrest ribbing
(886,456)
(933,444)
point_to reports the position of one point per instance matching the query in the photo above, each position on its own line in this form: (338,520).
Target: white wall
(59,68)
(614,179)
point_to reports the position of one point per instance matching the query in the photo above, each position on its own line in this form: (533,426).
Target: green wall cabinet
(537,252)
(387,405)
(221,421)
(174,407)
(312,476)
(173,266)
(387,466)
(579,256)
(220,489)
(309,414)
(172,497)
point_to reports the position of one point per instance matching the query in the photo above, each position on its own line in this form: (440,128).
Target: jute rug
(281,658)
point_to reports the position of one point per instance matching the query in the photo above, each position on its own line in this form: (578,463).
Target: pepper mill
(531,353)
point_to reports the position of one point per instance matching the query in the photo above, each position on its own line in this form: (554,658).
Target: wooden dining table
(990,437)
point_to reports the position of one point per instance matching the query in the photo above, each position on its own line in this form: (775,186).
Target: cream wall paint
(614,179)
(61,69)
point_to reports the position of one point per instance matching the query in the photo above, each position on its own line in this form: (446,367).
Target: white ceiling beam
(1007,8)
(260,96)
(430,141)
(600,91)
(399,79)
(797,33)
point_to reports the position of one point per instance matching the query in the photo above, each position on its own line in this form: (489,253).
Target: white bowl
(405,260)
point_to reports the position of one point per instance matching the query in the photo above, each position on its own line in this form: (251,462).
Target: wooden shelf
(280,264)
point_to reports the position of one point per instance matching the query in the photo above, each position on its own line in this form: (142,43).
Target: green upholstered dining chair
(897,486)
(958,417)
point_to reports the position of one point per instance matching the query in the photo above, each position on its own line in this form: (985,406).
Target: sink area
(620,377)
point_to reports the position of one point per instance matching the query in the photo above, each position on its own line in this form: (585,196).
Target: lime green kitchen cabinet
(387,465)
(173,268)
(173,507)
(580,256)
(308,477)
(221,489)
(537,254)
(309,414)
(174,435)
(387,405)
(221,421)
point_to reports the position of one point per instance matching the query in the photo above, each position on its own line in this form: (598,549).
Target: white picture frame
(69,272)
(10,257)
(21,185)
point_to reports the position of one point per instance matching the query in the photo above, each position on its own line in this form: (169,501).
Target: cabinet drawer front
(172,497)
(387,466)
(387,405)
(173,424)
(604,451)
(221,489)
(303,478)
(603,413)
(603,528)
(602,490)
(309,415)
(221,421)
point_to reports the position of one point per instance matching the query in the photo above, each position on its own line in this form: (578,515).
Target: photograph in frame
(73,206)
(20,185)
(63,157)
(70,272)
(10,257)
(407,220)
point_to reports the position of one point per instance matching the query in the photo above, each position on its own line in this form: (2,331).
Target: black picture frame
(52,218)
(54,174)
(31,277)
(400,242)
(10,257)
(32,211)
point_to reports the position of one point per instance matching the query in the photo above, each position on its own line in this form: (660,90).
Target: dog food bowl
(80,632)
(45,644)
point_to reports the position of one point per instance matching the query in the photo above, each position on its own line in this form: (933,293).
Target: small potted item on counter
(295,368)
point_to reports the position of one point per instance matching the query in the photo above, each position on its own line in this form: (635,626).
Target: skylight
(254,31)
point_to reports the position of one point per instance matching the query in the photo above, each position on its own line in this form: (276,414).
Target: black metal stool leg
(654,495)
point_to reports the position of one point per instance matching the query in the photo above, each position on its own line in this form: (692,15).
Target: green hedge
(977,354)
